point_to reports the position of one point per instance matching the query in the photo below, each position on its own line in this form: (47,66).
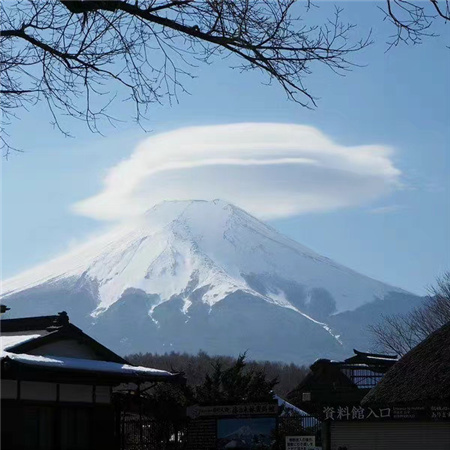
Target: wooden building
(337,382)
(56,386)
(331,384)
(409,409)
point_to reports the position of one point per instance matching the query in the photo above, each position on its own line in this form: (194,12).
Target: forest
(196,367)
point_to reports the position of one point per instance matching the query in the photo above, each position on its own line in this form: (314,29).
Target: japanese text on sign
(355,413)
(413,412)
(252,409)
(300,442)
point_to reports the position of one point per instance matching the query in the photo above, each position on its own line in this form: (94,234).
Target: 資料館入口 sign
(392,412)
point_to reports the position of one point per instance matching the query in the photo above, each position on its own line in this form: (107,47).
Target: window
(75,428)
(364,378)
(75,393)
(36,428)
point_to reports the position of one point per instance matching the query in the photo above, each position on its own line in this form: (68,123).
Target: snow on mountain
(213,243)
(243,431)
(195,254)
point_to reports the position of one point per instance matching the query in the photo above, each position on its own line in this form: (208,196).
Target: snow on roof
(9,340)
(383,358)
(287,405)
(87,365)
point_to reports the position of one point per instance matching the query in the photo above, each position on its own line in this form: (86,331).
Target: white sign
(300,442)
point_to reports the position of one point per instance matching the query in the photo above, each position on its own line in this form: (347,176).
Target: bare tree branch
(79,55)
(68,53)
(400,333)
(413,18)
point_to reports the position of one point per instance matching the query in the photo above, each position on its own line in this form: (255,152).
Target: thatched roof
(326,384)
(421,376)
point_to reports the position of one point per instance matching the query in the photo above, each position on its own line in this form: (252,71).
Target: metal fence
(143,433)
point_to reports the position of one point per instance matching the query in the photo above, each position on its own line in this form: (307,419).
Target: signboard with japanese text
(356,413)
(300,442)
(245,426)
(250,409)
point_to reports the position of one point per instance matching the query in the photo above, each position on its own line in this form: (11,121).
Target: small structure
(338,386)
(338,382)
(409,409)
(56,386)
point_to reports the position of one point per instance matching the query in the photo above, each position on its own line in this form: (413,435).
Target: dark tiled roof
(51,328)
(371,359)
(422,375)
(34,323)
(20,336)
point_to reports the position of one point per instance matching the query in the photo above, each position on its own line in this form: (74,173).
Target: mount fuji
(193,275)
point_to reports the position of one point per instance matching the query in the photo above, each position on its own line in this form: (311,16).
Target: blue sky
(399,100)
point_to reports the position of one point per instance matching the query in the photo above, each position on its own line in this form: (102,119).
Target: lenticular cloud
(271,170)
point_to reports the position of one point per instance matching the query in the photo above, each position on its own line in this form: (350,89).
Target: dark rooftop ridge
(34,323)
(370,359)
(375,355)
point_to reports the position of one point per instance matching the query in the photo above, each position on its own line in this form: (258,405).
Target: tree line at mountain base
(197,367)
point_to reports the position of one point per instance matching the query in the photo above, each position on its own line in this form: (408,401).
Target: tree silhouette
(413,19)
(196,367)
(235,384)
(73,54)
(401,332)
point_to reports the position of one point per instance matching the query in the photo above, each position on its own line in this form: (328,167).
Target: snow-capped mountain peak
(207,243)
(198,254)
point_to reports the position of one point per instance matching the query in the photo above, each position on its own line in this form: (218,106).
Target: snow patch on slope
(279,298)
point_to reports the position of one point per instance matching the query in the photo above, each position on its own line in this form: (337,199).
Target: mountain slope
(199,274)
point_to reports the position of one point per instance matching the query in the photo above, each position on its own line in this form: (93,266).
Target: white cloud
(388,209)
(269,169)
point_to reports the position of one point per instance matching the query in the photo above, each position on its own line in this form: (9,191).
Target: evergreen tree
(235,384)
